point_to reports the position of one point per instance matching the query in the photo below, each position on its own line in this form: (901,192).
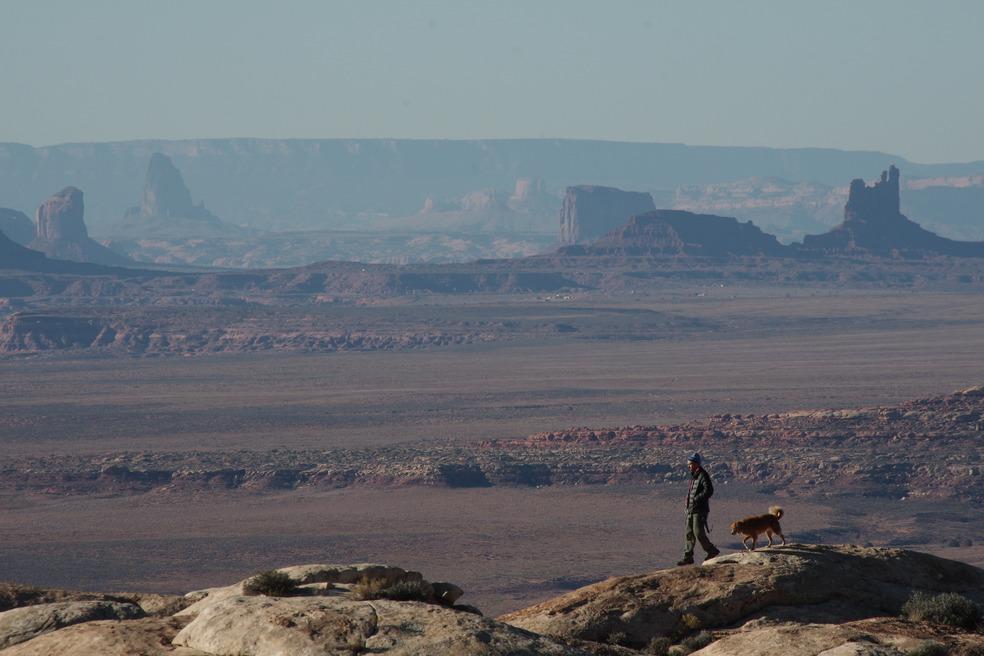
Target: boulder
(21,624)
(794,583)
(305,575)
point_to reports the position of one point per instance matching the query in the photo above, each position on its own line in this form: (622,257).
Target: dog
(752,527)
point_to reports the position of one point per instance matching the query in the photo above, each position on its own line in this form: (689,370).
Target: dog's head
(734,528)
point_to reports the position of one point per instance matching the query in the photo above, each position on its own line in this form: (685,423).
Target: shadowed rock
(675,232)
(166,195)
(873,223)
(16,225)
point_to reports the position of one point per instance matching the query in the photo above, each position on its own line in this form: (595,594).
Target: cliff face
(675,232)
(588,212)
(166,195)
(874,223)
(16,225)
(61,231)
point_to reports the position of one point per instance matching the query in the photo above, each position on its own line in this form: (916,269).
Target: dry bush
(947,608)
(270,583)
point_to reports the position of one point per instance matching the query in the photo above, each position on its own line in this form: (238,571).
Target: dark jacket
(701,490)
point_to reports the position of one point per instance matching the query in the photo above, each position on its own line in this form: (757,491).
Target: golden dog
(752,527)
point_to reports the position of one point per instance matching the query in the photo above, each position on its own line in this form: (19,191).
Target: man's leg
(700,528)
(691,540)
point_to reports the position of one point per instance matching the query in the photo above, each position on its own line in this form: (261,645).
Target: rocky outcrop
(588,212)
(61,232)
(675,232)
(166,196)
(799,599)
(796,583)
(334,609)
(873,223)
(16,226)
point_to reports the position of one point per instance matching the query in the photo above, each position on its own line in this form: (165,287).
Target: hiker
(700,491)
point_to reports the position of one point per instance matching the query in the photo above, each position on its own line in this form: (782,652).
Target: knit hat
(694,457)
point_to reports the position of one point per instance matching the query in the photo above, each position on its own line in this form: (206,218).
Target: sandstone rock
(793,583)
(336,625)
(874,223)
(588,212)
(166,195)
(16,225)
(876,637)
(21,624)
(675,232)
(146,637)
(305,575)
(61,231)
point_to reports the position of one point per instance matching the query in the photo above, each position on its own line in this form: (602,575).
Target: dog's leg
(783,538)
(744,541)
(755,541)
(769,533)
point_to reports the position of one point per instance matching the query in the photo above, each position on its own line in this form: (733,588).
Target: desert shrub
(697,641)
(658,647)
(928,648)
(690,622)
(368,589)
(270,583)
(948,608)
(407,591)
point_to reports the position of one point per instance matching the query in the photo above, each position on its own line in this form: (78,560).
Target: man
(700,491)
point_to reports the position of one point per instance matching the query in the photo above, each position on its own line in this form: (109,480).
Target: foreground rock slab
(21,624)
(878,637)
(797,583)
(146,637)
(314,626)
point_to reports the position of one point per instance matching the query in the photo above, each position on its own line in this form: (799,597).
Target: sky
(900,77)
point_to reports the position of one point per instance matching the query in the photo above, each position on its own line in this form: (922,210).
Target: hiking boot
(712,553)
(685,561)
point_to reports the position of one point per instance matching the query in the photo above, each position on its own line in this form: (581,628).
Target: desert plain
(666,355)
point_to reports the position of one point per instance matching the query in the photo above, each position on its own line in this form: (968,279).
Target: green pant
(697,531)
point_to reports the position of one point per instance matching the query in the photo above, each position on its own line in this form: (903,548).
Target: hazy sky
(905,77)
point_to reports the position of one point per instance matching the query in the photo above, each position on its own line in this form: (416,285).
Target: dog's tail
(777,511)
